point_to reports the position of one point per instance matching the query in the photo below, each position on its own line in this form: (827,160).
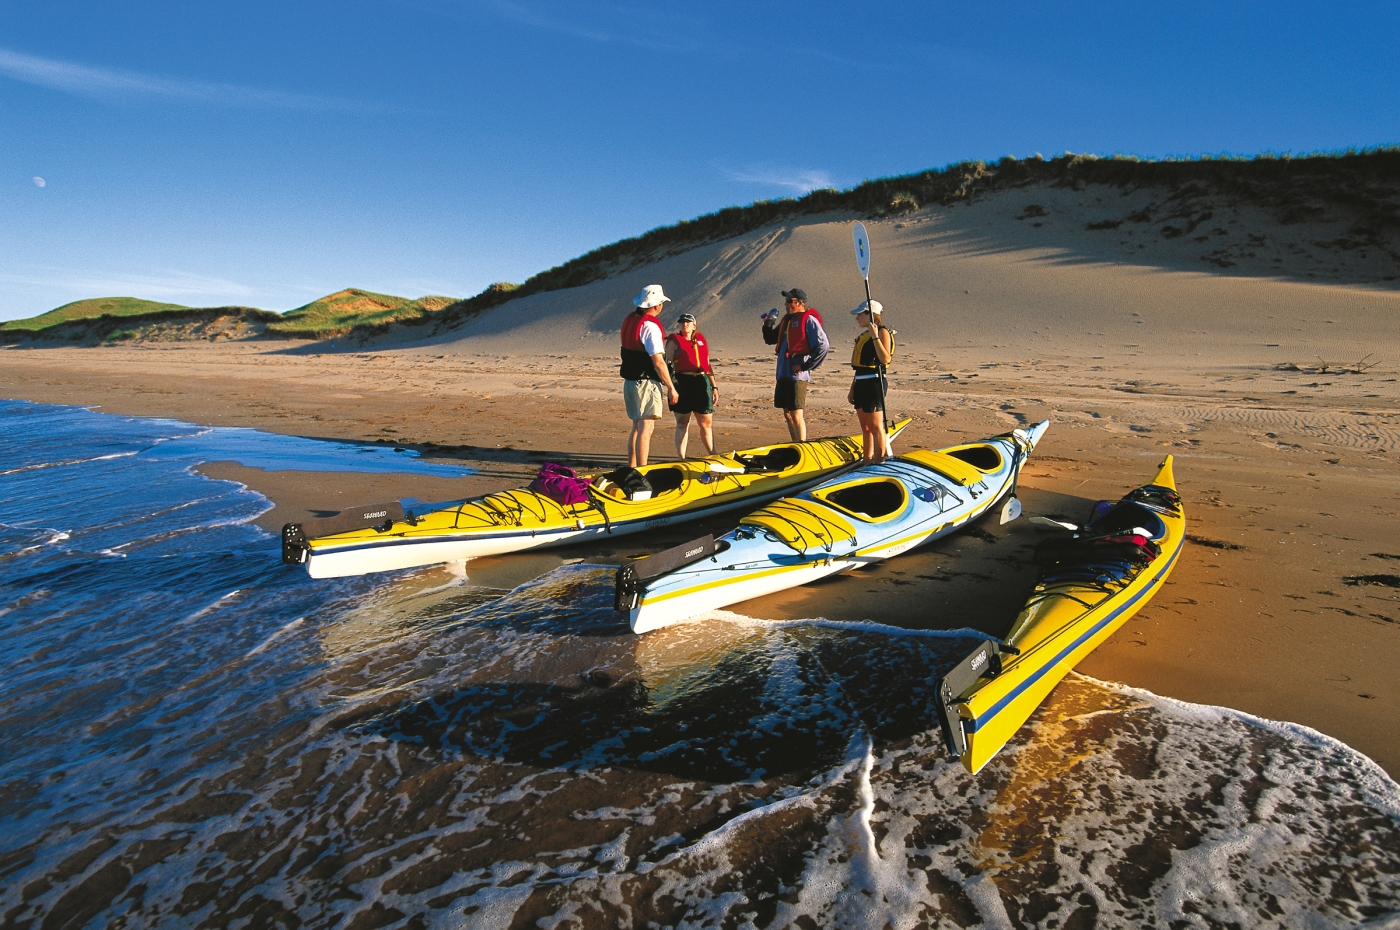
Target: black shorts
(866,394)
(696,394)
(790,394)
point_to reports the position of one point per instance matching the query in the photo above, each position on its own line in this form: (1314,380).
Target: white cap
(651,296)
(875,307)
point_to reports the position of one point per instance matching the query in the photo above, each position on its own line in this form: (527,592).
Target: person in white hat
(873,350)
(644,371)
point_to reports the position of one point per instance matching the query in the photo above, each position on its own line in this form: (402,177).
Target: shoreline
(1288,502)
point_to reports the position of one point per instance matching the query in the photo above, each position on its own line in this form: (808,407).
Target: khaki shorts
(644,399)
(790,394)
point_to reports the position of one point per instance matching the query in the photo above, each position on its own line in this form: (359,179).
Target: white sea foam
(39,466)
(280,633)
(868,626)
(1380,790)
(201,613)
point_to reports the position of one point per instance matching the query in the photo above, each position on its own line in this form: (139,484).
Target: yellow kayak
(1090,585)
(381,537)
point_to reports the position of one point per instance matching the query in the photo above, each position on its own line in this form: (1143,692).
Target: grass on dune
(92,309)
(330,316)
(351,308)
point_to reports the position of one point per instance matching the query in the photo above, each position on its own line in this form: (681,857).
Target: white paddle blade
(1054,524)
(1010,510)
(862,242)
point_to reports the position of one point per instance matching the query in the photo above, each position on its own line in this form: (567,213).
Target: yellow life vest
(863,357)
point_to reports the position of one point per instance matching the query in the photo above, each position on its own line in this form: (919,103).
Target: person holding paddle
(688,354)
(873,350)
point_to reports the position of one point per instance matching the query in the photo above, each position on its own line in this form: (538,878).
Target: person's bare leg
(879,442)
(705,423)
(645,428)
(682,433)
(797,425)
(872,447)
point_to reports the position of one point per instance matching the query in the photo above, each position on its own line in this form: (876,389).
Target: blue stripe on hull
(1045,669)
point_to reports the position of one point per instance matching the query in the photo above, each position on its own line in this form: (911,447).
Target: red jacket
(797,332)
(637,365)
(691,354)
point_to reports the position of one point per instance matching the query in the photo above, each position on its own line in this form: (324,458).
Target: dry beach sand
(1264,358)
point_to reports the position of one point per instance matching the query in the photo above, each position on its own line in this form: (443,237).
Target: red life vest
(797,332)
(692,354)
(636,363)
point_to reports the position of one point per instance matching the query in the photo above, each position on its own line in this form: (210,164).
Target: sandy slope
(1277,394)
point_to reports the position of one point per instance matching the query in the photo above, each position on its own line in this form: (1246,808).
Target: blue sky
(269,153)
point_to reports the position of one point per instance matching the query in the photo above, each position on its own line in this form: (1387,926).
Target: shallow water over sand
(193,735)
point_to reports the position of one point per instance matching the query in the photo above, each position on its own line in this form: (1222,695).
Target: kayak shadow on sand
(485,455)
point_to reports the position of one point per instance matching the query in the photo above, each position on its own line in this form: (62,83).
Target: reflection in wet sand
(673,661)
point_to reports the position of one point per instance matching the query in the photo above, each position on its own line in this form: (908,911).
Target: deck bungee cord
(560,507)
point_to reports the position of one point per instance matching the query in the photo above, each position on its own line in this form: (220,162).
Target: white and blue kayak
(864,516)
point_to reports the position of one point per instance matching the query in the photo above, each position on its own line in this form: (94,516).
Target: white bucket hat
(875,308)
(651,296)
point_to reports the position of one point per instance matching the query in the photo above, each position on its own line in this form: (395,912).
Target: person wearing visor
(688,354)
(873,350)
(644,371)
(801,344)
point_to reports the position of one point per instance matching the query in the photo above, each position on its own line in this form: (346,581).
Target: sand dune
(985,283)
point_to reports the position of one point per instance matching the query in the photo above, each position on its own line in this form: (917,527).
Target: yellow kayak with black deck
(1091,583)
(383,537)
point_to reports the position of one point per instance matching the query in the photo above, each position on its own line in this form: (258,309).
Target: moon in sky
(38,181)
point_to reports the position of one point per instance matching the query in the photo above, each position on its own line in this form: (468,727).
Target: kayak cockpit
(870,500)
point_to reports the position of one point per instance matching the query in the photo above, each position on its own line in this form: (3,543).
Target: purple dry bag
(561,484)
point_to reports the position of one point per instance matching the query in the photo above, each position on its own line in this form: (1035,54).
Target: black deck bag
(1067,553)
(630,481)
(779,459)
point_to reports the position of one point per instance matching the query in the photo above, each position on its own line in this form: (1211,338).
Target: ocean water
(193,735)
